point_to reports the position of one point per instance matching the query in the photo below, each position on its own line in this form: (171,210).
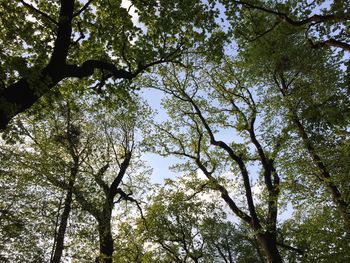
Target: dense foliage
(255,117)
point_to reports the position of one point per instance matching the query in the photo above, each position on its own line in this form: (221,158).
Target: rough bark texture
(105,237)
(59,246)
(62,228)
(268,243)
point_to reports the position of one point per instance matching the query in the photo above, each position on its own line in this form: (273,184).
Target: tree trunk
(106,241)
(64,218)
(268,244)
(62,228)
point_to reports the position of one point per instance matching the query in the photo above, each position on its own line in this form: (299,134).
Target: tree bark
(106,242)
(62,228)
(105,233)
(64,218)
(268,244)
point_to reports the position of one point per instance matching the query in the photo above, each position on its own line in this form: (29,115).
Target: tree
(25,217)
(323,23)
(96,147)
(318,231)
(45,42)
(306,96)
(199,103)
(172,222)
(184,224)
(265,120)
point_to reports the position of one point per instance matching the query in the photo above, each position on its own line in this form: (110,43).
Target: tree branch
(98,178)
(298,250)
(82,9)
(285,17)
(234,157)
(86,205)
(329,43)
(21,95)
(323,171)
(224,194)
(64,31)
(113,189)
(127,197)
(314,19)
(35,10)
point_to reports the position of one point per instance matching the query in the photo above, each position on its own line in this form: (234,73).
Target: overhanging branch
(35,10)
(314,18)
(82,9)
(330,43)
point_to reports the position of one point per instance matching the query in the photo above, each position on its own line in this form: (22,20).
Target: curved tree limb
(36,10)
(82,9)
(21,95)
(329,43)
(314,19)
(297,250)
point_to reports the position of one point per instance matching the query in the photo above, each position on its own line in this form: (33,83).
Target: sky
(159,164)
